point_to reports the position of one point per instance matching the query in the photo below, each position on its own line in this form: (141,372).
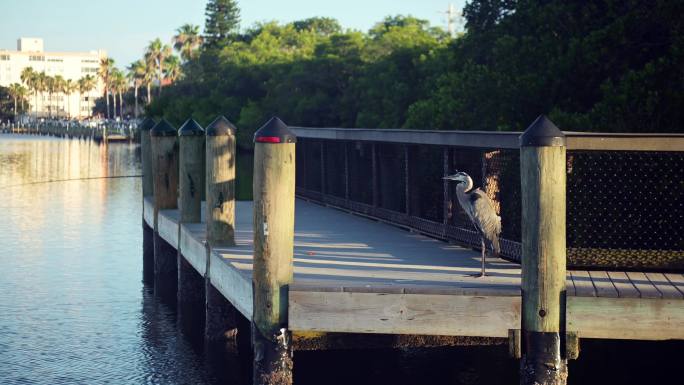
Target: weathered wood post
(274,193)
(191,180)
(220,185)
(191,170)
(221,318)
(146,156)
(165,169)
(148,232)
(543,178)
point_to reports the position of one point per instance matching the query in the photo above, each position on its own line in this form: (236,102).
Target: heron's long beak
(451,177)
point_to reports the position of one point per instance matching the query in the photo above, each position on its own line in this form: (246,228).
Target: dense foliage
(603,65)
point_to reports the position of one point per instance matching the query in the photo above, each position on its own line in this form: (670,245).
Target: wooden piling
(221,318)
(191,288)
(164,143)
(191,171)
(543,178)
(146,155)
(148,233)
(274,192)
(220,181)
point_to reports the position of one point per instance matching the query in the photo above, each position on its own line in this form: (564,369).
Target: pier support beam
(147,191)
(543,178)
(191,185)
(165,170)
(221,327)
(274,193)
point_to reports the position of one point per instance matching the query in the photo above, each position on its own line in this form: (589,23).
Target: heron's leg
(484,253)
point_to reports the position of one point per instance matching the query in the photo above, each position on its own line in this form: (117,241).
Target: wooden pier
(356,273)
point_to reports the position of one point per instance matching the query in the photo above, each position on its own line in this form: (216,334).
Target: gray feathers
(483,215)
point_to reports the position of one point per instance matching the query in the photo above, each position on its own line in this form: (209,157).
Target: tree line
(599,65)
(603,65)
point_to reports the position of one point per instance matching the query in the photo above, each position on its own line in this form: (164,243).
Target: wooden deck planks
(677,280)
(604,286)
(625,287)
(643,285)
(664,285)
(582,283)
(569,284)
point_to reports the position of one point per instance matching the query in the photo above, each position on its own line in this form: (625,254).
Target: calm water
(73,309)
(72,306)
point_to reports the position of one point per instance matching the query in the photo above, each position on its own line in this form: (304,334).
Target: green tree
(119,87)
(172,69)
(321,25)
(69,87)
(599,66)
(15,92)
(85,85)
(29,77)
(155,55)
(136,74)
(105,71)
(187,41)
(41,85)
(222,22)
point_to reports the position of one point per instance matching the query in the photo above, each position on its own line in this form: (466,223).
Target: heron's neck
(467,185)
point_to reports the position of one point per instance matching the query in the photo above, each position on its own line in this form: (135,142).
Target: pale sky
(124,27)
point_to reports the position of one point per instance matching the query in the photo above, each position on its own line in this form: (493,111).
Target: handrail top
(498,139)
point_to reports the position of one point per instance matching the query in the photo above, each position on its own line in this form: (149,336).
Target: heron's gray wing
(484,215)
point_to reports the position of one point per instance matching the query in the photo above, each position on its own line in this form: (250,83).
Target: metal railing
(625,191)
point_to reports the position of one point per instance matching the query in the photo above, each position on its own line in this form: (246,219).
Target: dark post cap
(274,131)
(221,126)
(147,124)
(190,128)
(542,133)
(163,128)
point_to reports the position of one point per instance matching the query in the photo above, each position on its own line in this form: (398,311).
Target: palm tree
(187,41)
(106,65)
(136,74)
(23,93)
(148,78)
(118,86)
(50,86)
(28,77)
(156,53)
(40,84)
(172,70)
(58,86)
(14,90)
(69,87)
(85,85)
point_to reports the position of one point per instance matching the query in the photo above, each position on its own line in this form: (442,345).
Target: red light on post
(268,139)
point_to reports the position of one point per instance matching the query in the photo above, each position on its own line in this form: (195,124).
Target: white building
(70,65)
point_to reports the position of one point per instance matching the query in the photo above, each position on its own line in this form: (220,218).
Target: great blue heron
(480,210)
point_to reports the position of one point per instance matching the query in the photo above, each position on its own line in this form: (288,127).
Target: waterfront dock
(374,251)
(358,275)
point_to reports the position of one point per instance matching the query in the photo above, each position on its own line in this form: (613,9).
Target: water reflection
(72,306)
